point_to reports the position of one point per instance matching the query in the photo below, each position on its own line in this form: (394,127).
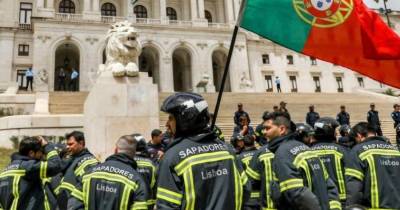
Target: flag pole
(228,62)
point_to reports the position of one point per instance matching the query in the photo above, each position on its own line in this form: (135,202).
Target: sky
(391,4)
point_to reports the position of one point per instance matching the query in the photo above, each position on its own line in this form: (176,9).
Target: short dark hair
(342,106)
(29,144)
(280,118)
(363,128)
(155,132)
(78,135)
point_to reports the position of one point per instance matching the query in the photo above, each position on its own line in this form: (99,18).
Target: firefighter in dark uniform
(115,184)
(396,120)
(147,168)
(260,174)
(373,119)
(343,117)
(333,155)
(21,181)
(374,170)
(344,138)
(245,157)
(198,171)
(312,116)
(303,180)
(259,133)
(305,133)
(80,161)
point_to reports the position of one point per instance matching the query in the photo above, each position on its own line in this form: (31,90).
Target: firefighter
(198,171)
(146,167)
(80,161)
(260,138)
(115,184)
(303,181)
(374,170)
(305,133)
(333,155)
(245,157)
(21,182)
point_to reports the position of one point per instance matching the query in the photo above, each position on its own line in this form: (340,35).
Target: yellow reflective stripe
(112,177)
(86,185)
(354,173)
(243,178)
(253,174)
(169,196)
(304,166)
(303,157)
(374,183)
(151,202)
(46,201)
(328,152)
(125,198)
(291,184)
(190,194)
(15,193)
(340,178)
(238,188)
(139,205)
(153,169)
(12,173)
(267,209)
(51,154)
(266,159)
(383,152)
(73,190)
(81,169)
(335,205)
(201,158)
(43,169)
(255,195)
(246,161)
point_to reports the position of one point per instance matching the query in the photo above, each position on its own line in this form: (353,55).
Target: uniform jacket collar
(274,144)
(124,159)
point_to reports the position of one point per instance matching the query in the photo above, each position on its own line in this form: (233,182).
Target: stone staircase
(327,104)
(67,102)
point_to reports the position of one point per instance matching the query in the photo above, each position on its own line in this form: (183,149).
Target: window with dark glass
(317,84)
(293,82)
(360,81)
(339,84)
(208,16)
(171,13)
(66,6)
(108,9)
(313,61)
(25,13)
(268,81)
(140,11)
(265,59)
(289,59)
(23,50)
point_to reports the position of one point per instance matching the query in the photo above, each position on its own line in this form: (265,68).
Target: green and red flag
(343,32)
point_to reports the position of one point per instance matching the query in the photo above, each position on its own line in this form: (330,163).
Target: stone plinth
(119,106)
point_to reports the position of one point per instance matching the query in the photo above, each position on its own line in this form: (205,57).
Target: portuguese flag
(343,32)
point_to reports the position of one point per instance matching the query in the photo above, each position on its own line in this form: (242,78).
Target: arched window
(171,13)
(66,6)
(108,9)
(140,11)
(208,16)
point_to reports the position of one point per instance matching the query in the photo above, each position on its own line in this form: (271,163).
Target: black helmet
(265,115)
(325,129)
(303,130)
(344,129)
(141,145)
(190,111)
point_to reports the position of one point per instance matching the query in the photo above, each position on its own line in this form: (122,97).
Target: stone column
(86,6)
(7,52)
(96,6)
(167,73)
(40,4)
(193,10)
(163,9)
(200,8)
(50,4)
(229,16)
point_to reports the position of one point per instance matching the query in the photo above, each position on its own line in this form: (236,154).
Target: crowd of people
(279,165)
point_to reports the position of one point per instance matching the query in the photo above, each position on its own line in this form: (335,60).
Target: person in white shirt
(29,78)
(74,80)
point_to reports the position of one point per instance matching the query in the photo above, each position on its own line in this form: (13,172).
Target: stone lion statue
(122,50)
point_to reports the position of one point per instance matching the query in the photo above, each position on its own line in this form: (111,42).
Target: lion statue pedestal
(120,103)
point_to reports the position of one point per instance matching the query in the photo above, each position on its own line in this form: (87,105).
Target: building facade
(183,41)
